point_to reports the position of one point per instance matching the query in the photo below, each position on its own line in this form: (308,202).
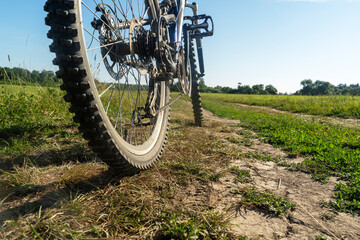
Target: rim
(123,83)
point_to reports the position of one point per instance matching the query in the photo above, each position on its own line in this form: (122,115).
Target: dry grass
(80,198)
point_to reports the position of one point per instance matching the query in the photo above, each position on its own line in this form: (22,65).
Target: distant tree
(20,76)
(241,89)
(323,88)
(202,85)
(247,90)
(307,87)
(270,89)
(244,89)
(226,89)
(35,75)
(317,88)
(258,89)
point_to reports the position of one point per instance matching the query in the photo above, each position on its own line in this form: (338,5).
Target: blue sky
(278,42)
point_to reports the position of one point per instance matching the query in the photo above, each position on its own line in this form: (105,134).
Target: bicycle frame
(154,7)
(176,32)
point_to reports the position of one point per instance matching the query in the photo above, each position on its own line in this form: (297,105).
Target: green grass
(30,116)
(331,150)
(255,198)
(339,106)
(187,225)
(242,175)
(245,141)
(51,186)
(8,88)
(54,188)
(321,237)
(264,200)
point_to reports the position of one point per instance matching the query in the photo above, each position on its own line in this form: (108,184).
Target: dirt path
(347,122)
(309,219)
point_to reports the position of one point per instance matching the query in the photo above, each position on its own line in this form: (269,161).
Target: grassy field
(13,89)
(53,187)
(330,150)
(339,106)
(29,115)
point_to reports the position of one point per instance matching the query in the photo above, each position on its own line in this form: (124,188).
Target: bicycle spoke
(112,91)
(102,60)
(131,8)
(100,95)
(125,96)
(106,45)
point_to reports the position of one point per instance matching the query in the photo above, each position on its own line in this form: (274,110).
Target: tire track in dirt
(305,222)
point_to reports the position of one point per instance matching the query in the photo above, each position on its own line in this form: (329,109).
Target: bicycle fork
(198,31)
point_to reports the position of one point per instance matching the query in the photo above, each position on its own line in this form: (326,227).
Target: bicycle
(139,47)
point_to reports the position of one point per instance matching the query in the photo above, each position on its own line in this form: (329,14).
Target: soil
(307,221)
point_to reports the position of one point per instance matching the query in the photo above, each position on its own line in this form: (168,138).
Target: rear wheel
(122,111)
(195,89)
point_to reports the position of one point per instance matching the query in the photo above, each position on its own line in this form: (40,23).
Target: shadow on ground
(53,195)
(77,152)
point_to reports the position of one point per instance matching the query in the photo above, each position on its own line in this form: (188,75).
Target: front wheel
(121,109)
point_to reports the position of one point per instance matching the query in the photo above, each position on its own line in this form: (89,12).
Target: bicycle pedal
(195,29)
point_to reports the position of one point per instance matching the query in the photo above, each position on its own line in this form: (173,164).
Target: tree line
(309,87)
(18,75)
(258,89)
(325,88)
